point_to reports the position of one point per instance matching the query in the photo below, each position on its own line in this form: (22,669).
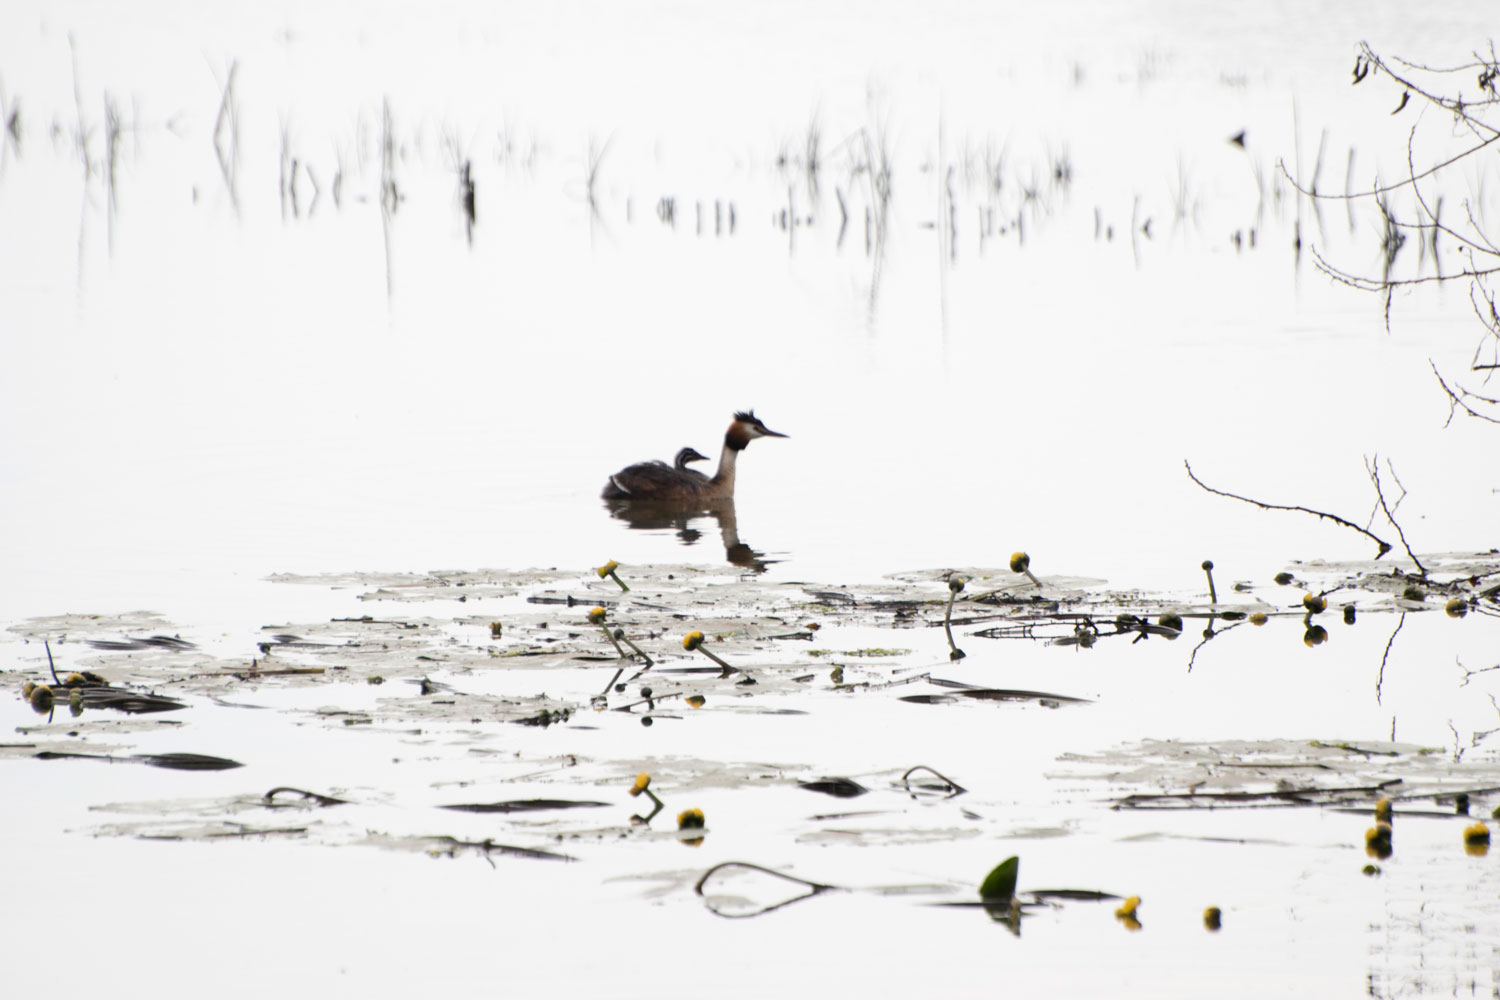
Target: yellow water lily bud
(1456,608)
(642,782)
(1378,841)
(1019,561)
(1213,918)
(690,819)
(1315,602)
(608,570)
(692,640)
(1259,618)
(596,615)
(41,699)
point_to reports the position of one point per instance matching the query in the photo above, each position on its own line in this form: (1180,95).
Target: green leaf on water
(1001,882)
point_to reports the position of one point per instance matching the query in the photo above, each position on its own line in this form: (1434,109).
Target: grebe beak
(770,433)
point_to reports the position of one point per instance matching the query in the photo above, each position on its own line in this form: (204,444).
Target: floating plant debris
(524,805)
(171,761)
(843,788)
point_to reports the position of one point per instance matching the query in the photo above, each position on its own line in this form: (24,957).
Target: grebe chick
(659,481)
(686,455)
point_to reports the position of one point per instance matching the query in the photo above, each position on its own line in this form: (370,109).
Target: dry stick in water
(1373,467)
(1384,545)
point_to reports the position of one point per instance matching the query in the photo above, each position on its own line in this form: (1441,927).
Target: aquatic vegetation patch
(551,715)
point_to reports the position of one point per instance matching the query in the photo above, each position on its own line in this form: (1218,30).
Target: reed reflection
(686,519)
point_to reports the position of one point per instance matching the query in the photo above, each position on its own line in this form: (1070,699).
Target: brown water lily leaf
(991,694)
(843,788)
(523,805)
(171,761)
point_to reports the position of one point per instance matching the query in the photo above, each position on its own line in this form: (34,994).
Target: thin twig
(1455,403)
(1373,467)
(1384,545)
(1380,678)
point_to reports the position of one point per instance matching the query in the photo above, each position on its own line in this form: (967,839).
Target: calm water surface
(207,376)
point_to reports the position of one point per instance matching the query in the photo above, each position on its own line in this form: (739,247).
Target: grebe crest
(659,481)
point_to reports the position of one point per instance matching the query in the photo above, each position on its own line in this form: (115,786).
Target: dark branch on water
(1384,545)
(1373,467)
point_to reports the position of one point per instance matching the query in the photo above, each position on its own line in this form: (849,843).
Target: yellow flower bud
(692,640)
(41,699)
(1378,841)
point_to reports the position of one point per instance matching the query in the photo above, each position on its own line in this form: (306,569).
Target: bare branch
(1455,105)
(1380,678)
(1384,545)
(1427,210)
(1384,284)
(1455,403)
(1373,468)
(1387,188)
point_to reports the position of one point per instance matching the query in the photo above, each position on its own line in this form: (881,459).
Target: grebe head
(687,455)
(746,428)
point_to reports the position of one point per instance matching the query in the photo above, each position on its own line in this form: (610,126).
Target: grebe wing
(652,481)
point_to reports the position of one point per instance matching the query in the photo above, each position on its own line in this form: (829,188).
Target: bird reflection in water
(680,517)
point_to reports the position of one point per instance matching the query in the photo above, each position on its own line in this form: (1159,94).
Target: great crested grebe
(659,481)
